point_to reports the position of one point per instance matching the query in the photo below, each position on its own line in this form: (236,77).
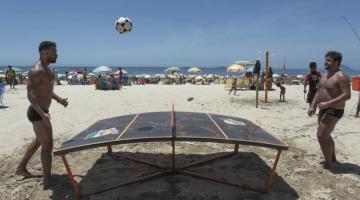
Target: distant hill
(350,71)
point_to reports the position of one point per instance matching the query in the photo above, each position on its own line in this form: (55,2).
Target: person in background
(85,76)
(121,75)
(10,76)
(312,79)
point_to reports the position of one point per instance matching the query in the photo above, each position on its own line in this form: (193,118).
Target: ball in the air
(123,25)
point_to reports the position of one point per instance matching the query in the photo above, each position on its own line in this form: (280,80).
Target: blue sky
(179,33)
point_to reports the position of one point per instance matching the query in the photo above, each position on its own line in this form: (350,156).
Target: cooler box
(356,83)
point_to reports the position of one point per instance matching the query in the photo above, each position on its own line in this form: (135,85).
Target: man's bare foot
(23,172)
(328,166)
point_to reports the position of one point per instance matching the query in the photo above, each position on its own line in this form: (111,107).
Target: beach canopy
(244,63)
(236,68)
(194,69)
(172,69)
(102,70)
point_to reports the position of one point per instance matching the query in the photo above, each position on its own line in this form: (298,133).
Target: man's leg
(44,136)
(326,126)
(21,169)
(358,108)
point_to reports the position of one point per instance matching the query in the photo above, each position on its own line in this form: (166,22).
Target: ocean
(205,70)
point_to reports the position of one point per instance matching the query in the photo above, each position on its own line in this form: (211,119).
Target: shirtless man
(40,93)
(334,90)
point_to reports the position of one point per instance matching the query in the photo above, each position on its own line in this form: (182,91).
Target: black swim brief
(33,115)
(338,113)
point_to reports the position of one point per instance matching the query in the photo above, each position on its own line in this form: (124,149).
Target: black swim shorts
(338,113)
(34,116)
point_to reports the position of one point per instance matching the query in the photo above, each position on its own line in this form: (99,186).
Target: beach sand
(300,176)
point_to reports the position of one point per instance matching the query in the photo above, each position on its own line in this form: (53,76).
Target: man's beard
(52,60)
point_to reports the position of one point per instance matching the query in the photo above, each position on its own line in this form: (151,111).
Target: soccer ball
(123,25)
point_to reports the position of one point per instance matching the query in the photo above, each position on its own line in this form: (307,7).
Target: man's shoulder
(35,71)
(342,75)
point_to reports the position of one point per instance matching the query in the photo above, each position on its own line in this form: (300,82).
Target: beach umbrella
(102,70)
(244,63)
(172,69)
(194,69)
(236,68)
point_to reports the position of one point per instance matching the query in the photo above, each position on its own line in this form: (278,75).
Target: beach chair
(2,92)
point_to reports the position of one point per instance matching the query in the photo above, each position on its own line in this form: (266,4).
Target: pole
(257,90)
(267,76)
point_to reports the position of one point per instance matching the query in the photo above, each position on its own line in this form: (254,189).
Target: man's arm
(344,83)
(56,97)
(62,101)
(305,84)
(31,85)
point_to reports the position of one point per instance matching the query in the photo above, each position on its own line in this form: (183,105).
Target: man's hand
(64,102)
(311,111)
(324,105)
(46,119)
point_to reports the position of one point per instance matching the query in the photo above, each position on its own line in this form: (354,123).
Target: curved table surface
(171,126)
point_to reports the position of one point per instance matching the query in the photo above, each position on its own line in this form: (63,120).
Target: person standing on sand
(312,79)
(40,92)
(333,92)
(10,76)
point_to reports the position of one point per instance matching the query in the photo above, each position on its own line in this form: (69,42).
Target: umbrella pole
(267,76)
(257,90)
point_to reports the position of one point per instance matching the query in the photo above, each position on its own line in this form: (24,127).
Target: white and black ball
(123,25)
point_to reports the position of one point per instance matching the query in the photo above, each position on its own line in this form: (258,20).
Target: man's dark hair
(312,65)
(334,55)
(44,45)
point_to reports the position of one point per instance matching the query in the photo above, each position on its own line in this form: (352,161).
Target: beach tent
(194,70)
(102,70)
(236,68)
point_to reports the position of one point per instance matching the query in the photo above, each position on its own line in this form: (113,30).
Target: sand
(300,176)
